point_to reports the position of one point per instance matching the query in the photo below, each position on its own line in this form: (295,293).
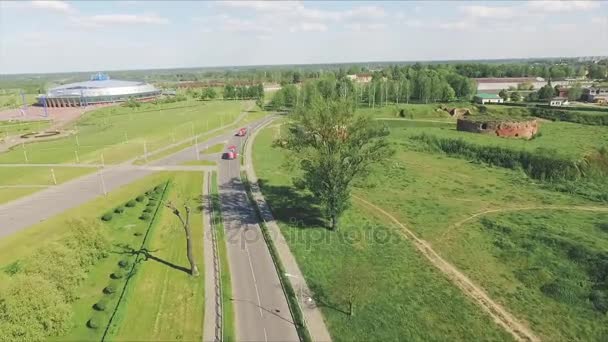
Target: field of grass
(14,99)
(568,139)
(164,303)
(119,133)
(547,266)
(431,111)
(403,297)
(217,148)
(12,128)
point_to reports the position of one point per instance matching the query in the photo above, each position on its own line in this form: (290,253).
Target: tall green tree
(575,92)
(504,94)
(333,146)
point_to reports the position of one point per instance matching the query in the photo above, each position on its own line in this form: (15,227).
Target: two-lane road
(261,308)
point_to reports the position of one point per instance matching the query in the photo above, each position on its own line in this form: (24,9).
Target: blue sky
(52,36)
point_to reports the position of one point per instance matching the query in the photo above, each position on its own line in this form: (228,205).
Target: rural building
(484,98)
(99,89)
(558,101)
(498,83)
(595,94)
(360,78)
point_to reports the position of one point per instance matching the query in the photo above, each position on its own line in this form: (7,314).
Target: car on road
(241,132)
(229,155)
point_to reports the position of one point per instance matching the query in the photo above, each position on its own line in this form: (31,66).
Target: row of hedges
(119,276)
(595,119)
(578,108)
(36,301)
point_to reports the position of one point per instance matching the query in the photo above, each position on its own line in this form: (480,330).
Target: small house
(484,98)
(558,101)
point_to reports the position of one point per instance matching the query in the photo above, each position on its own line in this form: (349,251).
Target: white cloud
(104,20)
(477,11)
(58,6)
(232,24)
(358,27)
(308,27)
(562,6)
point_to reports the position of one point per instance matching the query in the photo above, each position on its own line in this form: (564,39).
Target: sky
(60,36)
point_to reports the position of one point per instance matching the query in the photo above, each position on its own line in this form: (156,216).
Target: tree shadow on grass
(147,254)
(291,206)
(322,299)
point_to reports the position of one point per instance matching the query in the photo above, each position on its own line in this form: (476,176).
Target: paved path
(312,315)
(29,210)
(261,310)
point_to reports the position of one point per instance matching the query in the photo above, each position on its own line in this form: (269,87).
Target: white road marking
(255,283)
(265,335)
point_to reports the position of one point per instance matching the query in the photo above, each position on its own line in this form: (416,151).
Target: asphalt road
(260,305)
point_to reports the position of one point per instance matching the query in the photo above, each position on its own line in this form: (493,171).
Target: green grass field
(568,139)
(165,303)
(12,128)
(548,266)
(403,298)
(119,133)
(416,111)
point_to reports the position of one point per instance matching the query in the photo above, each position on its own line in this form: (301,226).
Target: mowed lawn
(12,128)
(33,176)
(165,303)
(399,295)
(119,133)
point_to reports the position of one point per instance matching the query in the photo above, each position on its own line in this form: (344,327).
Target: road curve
(261,310)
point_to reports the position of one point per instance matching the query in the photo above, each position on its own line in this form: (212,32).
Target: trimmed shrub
(117,275)
(138,233)
(145,217)
(107,217)
(152,203)
(93,323)
(100,306)
(139,198)
(124,263)
(148,210)
(131,204)
(109,289)
(119,210)
(158,188)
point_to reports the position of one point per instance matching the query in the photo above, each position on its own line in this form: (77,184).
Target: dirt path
(501,316)
(539,207)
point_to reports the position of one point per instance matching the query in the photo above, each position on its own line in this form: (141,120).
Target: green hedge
(595,119)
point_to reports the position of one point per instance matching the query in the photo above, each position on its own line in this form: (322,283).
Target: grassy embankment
(152,309)
(552,273)
(401,295)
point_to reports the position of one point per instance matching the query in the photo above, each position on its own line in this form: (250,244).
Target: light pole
(299,294)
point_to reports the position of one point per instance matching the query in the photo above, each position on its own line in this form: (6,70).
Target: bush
(148,210)
(109,289)
(152,204)
(138,233)
(139,198)
(93,323)
(119,210)
(100,306)
(600,301)
(117,275)
(145,217)
(107,217)
(131,204)
(124,263)
(158,189)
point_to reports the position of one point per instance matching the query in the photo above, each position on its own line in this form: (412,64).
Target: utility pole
(103,163)
(53,177)
(198,157)
(126,138)
(77,159)
(145,151)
